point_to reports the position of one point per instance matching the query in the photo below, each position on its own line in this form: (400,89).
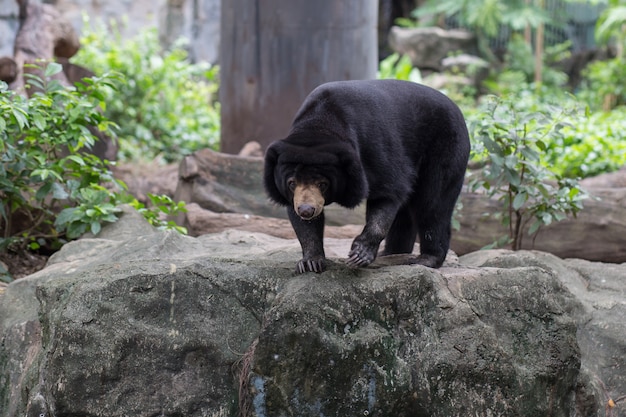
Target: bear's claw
(311,265)
(360,256)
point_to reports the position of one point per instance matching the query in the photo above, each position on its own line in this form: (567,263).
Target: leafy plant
(519,69)
(611,26)
(95,205)
(486,18)
(512,141)
(398,67)
(167,109)
(588,146)
(43,166)
(162,209)
(52,189)
(603,86)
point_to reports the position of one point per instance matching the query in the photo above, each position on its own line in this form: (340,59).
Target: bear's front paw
(361,255)
(316,265)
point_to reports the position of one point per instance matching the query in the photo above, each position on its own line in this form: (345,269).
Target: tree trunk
(273,53)
(539,39)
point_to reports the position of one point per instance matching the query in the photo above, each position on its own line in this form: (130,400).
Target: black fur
(402,146)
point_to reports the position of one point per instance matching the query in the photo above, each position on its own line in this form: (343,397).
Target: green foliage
(51,188)
(604,85)
(611,26)
(398,67)
(95,205)
(167,108)
(42,164)
(162,209)
(589,146)
(486,16)
(512,141)
(519,68)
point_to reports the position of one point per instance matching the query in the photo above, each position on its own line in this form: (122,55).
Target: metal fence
(573,21)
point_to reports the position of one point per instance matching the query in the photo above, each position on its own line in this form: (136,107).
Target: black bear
(402,146)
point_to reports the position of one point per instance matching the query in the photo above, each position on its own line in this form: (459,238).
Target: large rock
(428,46)
(601,322)
(144,323)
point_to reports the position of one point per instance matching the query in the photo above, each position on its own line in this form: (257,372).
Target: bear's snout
(308,201)
(306,211)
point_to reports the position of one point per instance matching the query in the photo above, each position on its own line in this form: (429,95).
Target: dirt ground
(20,265)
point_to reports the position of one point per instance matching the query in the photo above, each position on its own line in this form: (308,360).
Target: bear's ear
(271,159)
(352,185)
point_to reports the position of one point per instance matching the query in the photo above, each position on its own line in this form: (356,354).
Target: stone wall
(198,21)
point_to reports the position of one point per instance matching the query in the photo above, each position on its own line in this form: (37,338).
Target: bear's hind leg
(434,232)
(403,232)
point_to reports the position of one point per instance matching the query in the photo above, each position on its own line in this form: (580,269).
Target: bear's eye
(322,185)
(291,183)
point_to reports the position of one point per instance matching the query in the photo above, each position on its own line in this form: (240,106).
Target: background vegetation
(533,136)
(167,108)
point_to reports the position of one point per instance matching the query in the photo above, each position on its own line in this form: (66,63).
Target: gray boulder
(143,323)
(428,46)
(601,290)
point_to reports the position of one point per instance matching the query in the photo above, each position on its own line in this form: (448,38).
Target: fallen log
(597,233)
(221,183)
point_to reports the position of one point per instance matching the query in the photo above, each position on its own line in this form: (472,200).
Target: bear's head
(310,176)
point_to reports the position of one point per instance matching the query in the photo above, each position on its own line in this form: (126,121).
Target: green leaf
(95,227)
(58,192)
(74,230)
(20,118)
(43,191)
(519,200)
(541,145)
(53,68)
(534,227)
(39,121)
(65,216)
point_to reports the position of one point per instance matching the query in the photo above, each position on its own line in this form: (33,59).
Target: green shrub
(518,70)
(604,85)
(160,212)
(43,169)
(398,67)
(51,190)
(167,109)
(589,146)
(513,141)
